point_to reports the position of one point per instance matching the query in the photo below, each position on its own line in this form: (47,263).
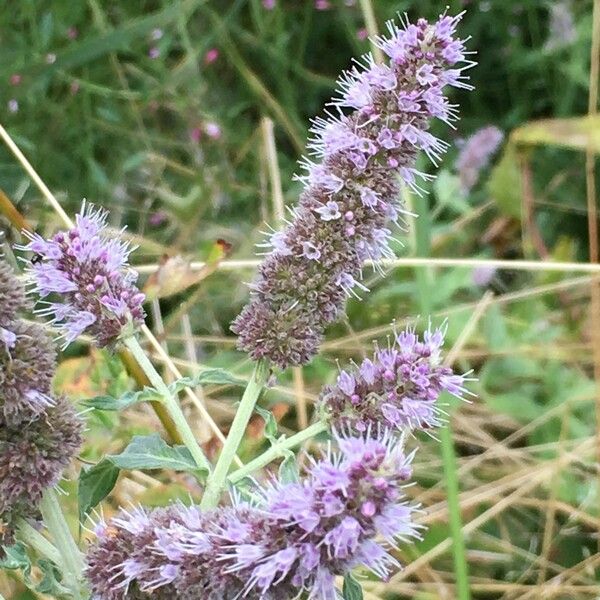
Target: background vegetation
(186,118)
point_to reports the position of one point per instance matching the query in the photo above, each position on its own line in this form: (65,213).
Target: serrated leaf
(122,402)
(352,590)
(212,376)
(152,452)
(95,484)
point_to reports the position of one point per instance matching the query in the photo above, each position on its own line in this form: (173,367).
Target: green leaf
(449,193)
(288,470)
(152,452)
(212,376)
(504,184)
(15,557)
(575,133)
(352,590)
(124,401)
(270,423)
(51,578)
(95,484)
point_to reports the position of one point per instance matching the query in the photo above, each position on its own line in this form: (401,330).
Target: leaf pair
(143,453)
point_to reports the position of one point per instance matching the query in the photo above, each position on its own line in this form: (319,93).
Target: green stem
(216,481)
(461,570)
(71,557)
(277,450)
(169,401)
(33,538)
(425,288)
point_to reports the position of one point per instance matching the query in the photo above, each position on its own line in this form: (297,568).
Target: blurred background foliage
(162,112)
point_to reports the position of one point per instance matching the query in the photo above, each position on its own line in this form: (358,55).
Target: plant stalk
(170,402)
(277,450)
(71,558)
(217,480)
(33,538)
(422,243)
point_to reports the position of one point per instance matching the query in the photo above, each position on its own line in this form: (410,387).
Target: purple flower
(27,365)
(476,154)
(32,458)
(27,357)
(376,127)
(86,270)
(561,30)
(12,294)
(348,511)
(398,390)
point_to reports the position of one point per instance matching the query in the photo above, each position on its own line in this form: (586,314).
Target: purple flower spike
(87,271)
(476,154)
(398,389)
(371,136)
(12,295)
(347,512)
(33,456)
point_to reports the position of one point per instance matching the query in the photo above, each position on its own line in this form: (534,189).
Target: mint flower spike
(86,270)
(363,148)
(27,357)
(476,154)
(398,389)
(348,511)
(33,456)
(12,294)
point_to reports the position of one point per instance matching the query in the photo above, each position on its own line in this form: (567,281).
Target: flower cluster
(352,192)
(39,434)
(397,390)
(33,457)
(347,511)
(12,295)
(88,269)
(476,154)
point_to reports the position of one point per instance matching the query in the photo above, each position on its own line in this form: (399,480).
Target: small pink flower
(211,56)
(15,79)
(13,105)
(158,218)
(362,34)
(72,33)
(154,52)
(195,134)
(269,4)
(322,4)
(212,130)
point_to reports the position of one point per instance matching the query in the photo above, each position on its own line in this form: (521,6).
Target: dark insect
(36,259)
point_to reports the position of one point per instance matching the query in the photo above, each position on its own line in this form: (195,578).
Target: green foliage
(152,452)
(95,483)
(209,376)
(352,589)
